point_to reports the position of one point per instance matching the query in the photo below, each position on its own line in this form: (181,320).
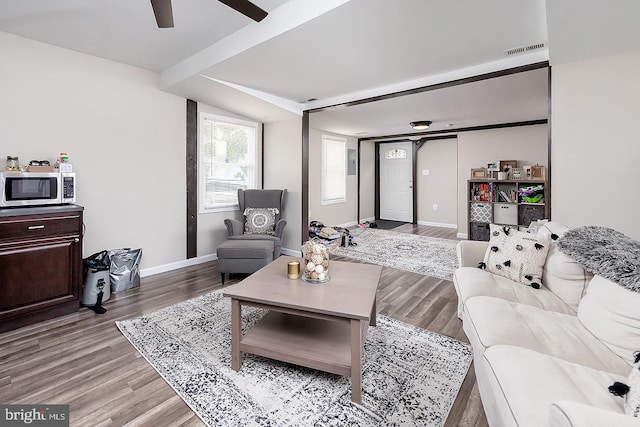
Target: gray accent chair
(230,253)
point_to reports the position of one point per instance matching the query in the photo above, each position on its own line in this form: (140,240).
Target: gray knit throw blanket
(605,252)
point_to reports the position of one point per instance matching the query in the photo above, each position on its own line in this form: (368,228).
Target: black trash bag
(125,268)
(96,286)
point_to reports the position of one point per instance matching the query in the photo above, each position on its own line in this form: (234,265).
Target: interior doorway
(396,181)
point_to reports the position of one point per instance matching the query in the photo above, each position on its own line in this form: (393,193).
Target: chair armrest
(279,229)
(471,252)
(574,414)
(234,227)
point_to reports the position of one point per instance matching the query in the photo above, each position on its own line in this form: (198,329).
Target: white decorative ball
(319,269)
(311,266)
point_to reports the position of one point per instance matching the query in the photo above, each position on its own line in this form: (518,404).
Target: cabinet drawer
(12,228)
(504,213)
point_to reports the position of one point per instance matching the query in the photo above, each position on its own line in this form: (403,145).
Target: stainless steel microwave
(37,188)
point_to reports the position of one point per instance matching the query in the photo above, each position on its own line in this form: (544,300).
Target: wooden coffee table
(320,326)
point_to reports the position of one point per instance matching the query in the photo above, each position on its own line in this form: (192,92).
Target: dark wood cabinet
(40,264)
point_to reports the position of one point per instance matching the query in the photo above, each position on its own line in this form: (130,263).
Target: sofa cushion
(565,277)
(471,282)
(517,255)
(530,382)
(571,414)
(491,321)
(562,274)
(612,314)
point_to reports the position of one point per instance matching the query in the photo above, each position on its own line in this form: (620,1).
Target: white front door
(396,181)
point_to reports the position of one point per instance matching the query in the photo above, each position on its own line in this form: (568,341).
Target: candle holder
(293,270)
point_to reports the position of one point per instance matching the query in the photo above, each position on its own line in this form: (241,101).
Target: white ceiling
(124,30)
(341,50)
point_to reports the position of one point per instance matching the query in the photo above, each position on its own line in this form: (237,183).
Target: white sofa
(547,356)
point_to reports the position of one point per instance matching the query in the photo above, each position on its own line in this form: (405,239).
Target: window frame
(395,152)
(323,187)
(253,159)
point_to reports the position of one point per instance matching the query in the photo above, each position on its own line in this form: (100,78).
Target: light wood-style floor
(84,361)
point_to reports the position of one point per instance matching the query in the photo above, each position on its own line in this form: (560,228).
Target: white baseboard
(347,224)
(286,251)
(291,252)
(198,260)
(438,224)
(370,219)
(176,265)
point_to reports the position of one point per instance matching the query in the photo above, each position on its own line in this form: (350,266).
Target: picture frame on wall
(516,173)
(508,165)
(478,173)
(537,172)
(493,166)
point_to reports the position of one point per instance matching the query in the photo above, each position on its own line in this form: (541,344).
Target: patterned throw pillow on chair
(516,255)
(260,220)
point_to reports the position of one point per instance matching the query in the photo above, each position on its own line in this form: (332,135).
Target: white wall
(440,158)
(125,137)
(367,180)
(283,169)
(338,213)
(596,143)
(526,144)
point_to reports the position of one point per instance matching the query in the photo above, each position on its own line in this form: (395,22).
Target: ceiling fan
(164,13)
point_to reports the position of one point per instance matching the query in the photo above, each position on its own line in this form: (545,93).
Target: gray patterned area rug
(419,254)
(411,376)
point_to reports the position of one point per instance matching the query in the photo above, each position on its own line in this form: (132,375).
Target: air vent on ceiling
(523,49)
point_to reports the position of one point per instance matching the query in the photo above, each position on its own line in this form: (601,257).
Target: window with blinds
(334,170)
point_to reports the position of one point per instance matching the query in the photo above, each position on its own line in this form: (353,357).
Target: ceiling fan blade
(246,8)
(164,13)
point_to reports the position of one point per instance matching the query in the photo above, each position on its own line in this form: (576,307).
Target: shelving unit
(504,202)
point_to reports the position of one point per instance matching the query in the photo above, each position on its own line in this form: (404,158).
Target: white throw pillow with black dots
(516,255)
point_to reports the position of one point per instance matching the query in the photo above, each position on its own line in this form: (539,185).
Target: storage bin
(529,213)
(505,213)
(478,231)
(480,212)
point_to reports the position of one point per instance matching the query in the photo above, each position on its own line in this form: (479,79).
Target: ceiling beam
(286,17)
(533,60)
(285,104)
(450,132)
